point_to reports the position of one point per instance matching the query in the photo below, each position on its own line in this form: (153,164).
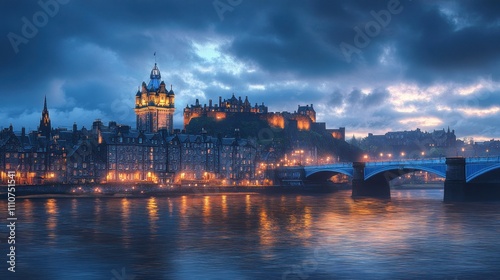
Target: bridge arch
(326,173)
(483,171)
(404,169)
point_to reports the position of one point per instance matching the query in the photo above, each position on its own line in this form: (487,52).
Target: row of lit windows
(23,155)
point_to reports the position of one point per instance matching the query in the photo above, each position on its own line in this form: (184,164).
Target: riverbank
(130,190)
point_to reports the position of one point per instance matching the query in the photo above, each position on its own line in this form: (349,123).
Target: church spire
(45,128)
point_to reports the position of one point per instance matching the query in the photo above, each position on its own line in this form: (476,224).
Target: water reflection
(28,210)
(125,221)
(51,224)
(152,214)
(266,229)
(170,207)
(74,208)
(183,205)
(224,206)
(248,205)
(206,210)
(97,210)
(246,236)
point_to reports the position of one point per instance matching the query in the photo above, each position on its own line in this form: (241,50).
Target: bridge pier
(358,179)
(373,188)
(455,182)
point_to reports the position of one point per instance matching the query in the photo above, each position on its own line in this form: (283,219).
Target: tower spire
(45,127)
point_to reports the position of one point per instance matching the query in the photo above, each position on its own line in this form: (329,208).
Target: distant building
(436,138)
(303,119)
(411,144)
(45,128)
(154,105)
(229,107)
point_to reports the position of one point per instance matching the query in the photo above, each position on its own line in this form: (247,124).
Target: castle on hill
(302,119)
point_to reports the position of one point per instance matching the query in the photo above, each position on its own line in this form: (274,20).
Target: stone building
(154,105)
(302,119)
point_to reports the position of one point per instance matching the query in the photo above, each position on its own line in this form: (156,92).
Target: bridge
(465,178)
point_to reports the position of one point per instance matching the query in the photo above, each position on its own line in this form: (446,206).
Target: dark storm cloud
(92,56)
(375,98)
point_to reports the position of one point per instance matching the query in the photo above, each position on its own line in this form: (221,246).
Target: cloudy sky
(371,66)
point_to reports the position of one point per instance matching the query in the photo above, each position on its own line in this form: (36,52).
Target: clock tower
(154,105)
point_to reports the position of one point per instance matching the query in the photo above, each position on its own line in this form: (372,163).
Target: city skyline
(367,66)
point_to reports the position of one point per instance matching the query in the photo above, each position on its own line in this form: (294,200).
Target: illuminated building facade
(37,157)
(225,108)
(154,105)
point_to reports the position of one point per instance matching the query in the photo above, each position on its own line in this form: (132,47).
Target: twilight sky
(371,66)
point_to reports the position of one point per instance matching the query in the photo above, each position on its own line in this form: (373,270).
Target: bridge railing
(406,161)
(440,160)
(482,159)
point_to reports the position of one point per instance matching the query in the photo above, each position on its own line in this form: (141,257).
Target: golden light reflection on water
(266,228)
(52,211)
(325,237)
(184,219)
(224,206)
(152,214)
(183,205)
(125,214)
(371,223)
(125,210)
(206,209)
(248,205)
(307,217)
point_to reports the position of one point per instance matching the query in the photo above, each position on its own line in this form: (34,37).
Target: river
(254,236)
